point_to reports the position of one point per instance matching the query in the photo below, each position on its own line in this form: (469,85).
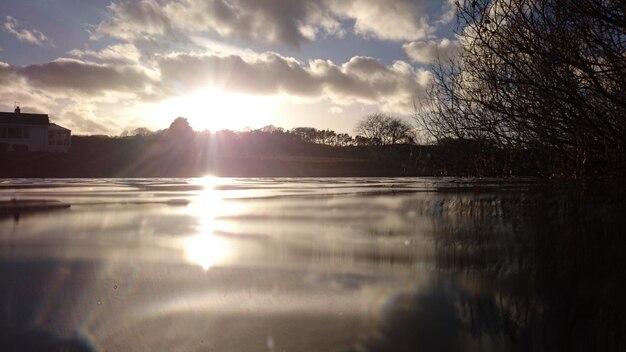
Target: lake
(328,264)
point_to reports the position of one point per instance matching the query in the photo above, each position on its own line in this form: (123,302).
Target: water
(217,264)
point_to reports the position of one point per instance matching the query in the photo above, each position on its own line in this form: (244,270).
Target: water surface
(343,264)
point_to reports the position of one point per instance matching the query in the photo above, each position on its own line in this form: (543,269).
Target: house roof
(24,118)
(54,126)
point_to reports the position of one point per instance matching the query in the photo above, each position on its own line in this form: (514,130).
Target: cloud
(287,22)
(335,110)
(86,78)
(81,93)
(427,52)
(267,74)
(276,21)
(361,79)
(6,74)
(133,19)
(390,19)
(83,118)
(118,53)
(449,11)
(30,36)
(13,87)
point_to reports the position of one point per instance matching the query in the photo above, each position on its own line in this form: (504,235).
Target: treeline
(178,151)
(373,129)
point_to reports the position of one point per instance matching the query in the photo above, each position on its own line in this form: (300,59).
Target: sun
(213,109)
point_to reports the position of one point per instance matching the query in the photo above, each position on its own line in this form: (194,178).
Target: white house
(32,132)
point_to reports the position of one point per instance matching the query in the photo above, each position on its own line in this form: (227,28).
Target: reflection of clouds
(423,320)
(343,262)
(251,301)
(46,306)
(303,310)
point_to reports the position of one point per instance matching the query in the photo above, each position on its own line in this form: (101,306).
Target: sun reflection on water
(205,248)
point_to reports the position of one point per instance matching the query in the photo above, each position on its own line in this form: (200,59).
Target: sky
(102,66)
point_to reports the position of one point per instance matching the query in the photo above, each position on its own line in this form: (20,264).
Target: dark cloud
(267,74)
(362,79)
(84,77)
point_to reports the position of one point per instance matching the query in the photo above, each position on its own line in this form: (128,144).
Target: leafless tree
(379,128)
(542,74)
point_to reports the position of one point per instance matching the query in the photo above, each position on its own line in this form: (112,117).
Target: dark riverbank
(256,155)
(117,161)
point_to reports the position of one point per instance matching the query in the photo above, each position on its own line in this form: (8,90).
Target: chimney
(17,110)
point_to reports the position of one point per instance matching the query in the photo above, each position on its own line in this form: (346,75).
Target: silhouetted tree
(546,75)
(272,129)
(372,127)
(139,131)
(398,131)
(361,141)
(180,126)
(343,139)
(379,128)
(305,134)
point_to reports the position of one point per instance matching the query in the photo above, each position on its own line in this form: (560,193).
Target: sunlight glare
(206,249)
(213,109)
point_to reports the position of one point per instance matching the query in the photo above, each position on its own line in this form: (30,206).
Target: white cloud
(83,117)
(449,11)
(427,52)
(278,21)
(30,36)
(391,19)
(287,22)
(335,110)
(118,53)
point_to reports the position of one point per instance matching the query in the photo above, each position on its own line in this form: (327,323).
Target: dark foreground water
(311,265)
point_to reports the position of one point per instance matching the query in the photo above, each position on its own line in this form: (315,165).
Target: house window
(26,132)
(15,132)
(3,132)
